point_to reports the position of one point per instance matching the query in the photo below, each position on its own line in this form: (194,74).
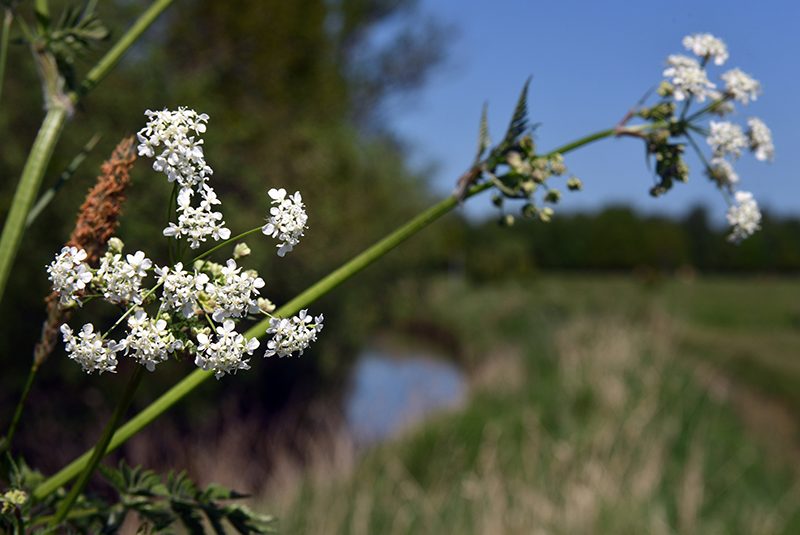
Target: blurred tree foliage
(294,91)
(617,238)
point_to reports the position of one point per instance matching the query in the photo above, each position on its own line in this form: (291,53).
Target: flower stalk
(311,294)
(58,110)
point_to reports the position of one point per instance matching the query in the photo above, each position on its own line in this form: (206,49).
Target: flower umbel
(290,335)
(707,46)
(69,274)
(744,216)
(287,219)
(225,354)
(90,350)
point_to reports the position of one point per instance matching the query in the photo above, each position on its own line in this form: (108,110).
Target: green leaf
(483,134)
(519,121)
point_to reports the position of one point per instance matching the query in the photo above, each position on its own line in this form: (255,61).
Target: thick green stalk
(20,405)
(112,57)
(8,18)
(27,188)
(320,288)
(48,136)
(100,448)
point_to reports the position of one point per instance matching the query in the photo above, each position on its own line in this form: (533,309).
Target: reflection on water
(392,390)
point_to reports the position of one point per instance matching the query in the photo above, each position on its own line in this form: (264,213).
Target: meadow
(598,404)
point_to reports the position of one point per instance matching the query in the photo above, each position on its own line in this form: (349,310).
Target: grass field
(598,405)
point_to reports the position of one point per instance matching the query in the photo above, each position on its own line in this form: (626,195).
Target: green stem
(323,286)
(20,405)
(48,136)
(100,449)
(28,185)
(68,173)
(112,57)
(8,18)
(227,242)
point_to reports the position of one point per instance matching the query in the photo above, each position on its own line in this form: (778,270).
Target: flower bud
(115,245)
(240,251)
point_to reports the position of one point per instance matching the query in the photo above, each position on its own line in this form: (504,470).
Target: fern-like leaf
(484,141)
(519,121)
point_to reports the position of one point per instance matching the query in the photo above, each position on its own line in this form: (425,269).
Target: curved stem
(8,18)
(28,186)
(20,405)
(226,242)
(100,448)
(311,294)
(112,57)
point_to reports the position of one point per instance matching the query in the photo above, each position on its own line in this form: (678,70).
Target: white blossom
(688,78)
(726,139)
(723,172)
(235,293)
(181,153)
(225,352)
(181,289)
(120,280)
(287,219)
(69,274)
(290,335)
(760,139)
(743,216)
(741,85)
(706,45)
(197,223)
(89,349)
(148,342)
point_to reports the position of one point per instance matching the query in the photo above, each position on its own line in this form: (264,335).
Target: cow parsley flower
(69,274)
(706,45)
(181,289)
(741,86)
(149,341)
(197,223)
(726,138)
(224,353)
(722,172)
(290,335)
(743,216)
(120,280)
(181,157)
(235,294)
(688,78)
(760,139)
(287,219)
(89,349)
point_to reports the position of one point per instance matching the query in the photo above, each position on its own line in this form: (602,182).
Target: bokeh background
(621,369)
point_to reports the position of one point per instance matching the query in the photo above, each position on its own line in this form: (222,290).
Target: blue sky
(590,62)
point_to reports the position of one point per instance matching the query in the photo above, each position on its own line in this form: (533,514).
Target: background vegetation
(651,385)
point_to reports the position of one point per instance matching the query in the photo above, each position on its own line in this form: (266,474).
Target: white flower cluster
(287,219)
(726,139)
(741,86)
(225,354)
(760,139)
(149,341)
(69,274)
(90,350)
(707,47)
(290,335)
(689,78)
(181,157)
(183,161)
(235,293)
(181,289)
(743,216)
(190,300)
(121,281)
